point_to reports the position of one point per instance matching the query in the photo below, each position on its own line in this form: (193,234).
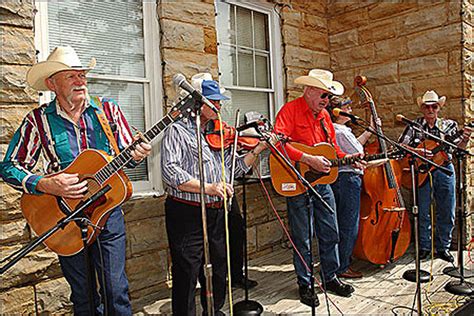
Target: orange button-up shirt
(296,121)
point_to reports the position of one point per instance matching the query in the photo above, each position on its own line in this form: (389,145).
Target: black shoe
(337,287)
(306,296)
(424,254)
(444,255)
(242,282)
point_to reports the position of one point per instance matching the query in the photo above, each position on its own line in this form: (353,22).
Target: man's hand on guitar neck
(318,163)
(64,184)
(358,164)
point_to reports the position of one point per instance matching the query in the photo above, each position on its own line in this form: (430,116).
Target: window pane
(130,97)
(227,65)
(261,30)
(246,101)
(261,69)
(225,23)
(246,69)
(112,32)
(244,27)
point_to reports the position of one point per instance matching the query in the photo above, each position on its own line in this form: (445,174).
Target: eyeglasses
(434,106)
(325,95)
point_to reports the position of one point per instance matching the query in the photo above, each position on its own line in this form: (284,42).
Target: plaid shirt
(443,128)
(49,132)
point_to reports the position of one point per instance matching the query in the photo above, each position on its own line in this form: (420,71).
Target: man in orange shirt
(305,120)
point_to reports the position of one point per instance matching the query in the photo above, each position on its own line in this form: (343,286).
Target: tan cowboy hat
(322,79)
(60,59)
(431,97)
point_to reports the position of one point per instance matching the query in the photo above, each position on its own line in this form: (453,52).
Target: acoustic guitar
(286,183)
(440,157)
(43,212)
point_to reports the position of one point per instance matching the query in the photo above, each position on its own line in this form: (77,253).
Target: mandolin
(43,212)
(286,183)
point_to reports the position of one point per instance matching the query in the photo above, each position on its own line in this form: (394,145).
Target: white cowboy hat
(431,97)
(60,59)
(322,79)
(208,87)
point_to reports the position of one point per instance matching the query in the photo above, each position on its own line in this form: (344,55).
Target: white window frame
(276,63)
(153,94)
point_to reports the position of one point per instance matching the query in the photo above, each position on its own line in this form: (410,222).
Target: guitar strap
(105,125)
(328,139)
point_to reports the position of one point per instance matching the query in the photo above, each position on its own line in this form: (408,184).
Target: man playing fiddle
(180,173)
(443,186)
(305,120)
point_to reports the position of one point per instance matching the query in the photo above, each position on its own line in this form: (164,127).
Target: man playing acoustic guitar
(60,130)
(305,120)
(443,186)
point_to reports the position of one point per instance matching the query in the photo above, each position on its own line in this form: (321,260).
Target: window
(123,37)
(250,64)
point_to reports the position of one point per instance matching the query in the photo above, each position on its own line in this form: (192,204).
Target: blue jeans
(444,188)
(112,249)
(347,194)
(323,225)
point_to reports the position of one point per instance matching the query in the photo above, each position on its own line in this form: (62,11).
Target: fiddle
(212,134)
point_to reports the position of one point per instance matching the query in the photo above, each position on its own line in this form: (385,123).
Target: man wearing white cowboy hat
(61,130)
(444,185)
(305,120)
(182,208)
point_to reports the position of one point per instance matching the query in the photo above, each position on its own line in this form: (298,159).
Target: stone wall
(404,49)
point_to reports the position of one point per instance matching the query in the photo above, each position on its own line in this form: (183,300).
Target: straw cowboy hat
(209,88)
(322,79)
(60,59)
(431,97)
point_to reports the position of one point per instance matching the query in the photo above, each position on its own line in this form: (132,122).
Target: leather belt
(217,204)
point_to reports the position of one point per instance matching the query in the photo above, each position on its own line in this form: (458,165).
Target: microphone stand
(460,287)
(71,216)
(313,194)
(419,276)
(246,307)
(207,262)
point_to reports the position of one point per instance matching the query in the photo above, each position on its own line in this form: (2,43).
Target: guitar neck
(122,159)
(349,161)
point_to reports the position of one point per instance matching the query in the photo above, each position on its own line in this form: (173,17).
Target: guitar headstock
(185,107)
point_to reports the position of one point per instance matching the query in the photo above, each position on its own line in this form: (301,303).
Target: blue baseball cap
(212,91)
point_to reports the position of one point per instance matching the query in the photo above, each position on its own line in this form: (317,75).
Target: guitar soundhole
(92,187)
(312,176)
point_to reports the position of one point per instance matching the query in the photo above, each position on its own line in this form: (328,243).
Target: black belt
(217,204)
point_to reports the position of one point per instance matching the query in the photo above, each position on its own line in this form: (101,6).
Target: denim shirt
(349,144)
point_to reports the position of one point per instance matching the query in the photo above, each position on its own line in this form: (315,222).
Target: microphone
(254,124)
(403,119)
(180,81)
(338,112)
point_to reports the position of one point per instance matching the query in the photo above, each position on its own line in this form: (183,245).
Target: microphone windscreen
(336,112)
(178,78)
(400,117)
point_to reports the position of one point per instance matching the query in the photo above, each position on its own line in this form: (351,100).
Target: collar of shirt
(53,106)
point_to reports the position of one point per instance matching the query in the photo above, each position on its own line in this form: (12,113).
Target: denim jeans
(347,194)
(444,188)
(323,225)
(112,250)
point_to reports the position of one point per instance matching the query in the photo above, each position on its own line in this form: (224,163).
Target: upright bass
(384,227)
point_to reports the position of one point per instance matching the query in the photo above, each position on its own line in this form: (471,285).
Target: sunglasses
(326,95)
(433,106)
